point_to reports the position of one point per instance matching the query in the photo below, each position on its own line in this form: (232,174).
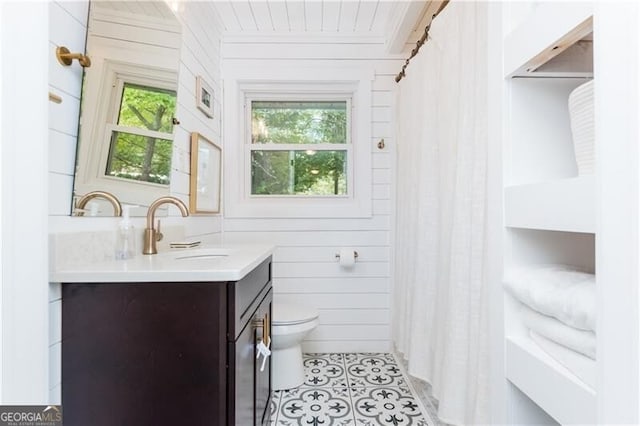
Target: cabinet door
(263,376)
(252,383)
(243,354)
(143,354)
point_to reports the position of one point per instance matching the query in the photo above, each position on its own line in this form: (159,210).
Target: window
(141,133)
(127,136)
(297,140)
(300,147)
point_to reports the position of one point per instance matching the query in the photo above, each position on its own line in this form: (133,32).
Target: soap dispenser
(125,236)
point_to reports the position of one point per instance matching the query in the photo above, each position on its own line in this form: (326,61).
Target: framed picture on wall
(206,175)
(204,96)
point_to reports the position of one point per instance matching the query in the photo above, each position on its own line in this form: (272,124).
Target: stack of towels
(558,306)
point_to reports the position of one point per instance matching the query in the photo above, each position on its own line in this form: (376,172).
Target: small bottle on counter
(125,236)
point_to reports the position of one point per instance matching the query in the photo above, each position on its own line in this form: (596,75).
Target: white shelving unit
(551,215)
(549,211)
(543,379)
(558,205)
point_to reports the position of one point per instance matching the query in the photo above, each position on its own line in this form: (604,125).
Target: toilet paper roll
(347,257)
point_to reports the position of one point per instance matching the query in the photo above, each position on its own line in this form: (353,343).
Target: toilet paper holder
(355,255)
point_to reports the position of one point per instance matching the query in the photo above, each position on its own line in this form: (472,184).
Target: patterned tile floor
(349,390)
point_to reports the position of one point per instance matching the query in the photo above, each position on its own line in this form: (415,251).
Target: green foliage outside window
(137,156)
(140,158)
(308,171)
(298,173)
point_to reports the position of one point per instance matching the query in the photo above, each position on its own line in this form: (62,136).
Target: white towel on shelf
(582,367)
(558,291)
(578,340)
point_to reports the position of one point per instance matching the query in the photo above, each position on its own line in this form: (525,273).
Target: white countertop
(205,263)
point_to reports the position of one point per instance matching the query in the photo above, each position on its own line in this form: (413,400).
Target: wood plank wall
(67,27)
(354,303)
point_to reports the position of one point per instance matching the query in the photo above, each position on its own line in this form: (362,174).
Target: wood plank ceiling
(337,18)
(397,23)
(362,17)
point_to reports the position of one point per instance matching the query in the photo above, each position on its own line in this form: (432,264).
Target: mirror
(127,112)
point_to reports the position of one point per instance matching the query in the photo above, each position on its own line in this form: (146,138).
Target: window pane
(148,108)
(139,158)
(298,172)
(298,122)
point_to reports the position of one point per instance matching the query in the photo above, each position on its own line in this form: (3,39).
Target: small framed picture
(206,175)
(204,96)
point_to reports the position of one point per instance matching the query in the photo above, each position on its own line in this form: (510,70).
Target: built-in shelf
(548,32)
(549,384)
(575,61)
(549,211)
(540,145)
(559,205)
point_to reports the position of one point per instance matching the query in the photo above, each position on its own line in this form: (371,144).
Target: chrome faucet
(152,235)
(82,202)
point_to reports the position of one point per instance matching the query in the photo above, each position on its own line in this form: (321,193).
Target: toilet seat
(286,314)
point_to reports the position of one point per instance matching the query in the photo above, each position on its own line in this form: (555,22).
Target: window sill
(299,208)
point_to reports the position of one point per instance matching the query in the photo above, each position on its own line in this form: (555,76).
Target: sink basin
(199,254)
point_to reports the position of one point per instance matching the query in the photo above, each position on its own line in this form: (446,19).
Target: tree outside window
(141,139)
(299,147)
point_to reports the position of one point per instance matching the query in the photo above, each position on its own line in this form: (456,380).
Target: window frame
(302,97)
(103,120)
(284,78)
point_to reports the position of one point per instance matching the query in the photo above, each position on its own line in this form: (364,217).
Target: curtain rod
(420,42)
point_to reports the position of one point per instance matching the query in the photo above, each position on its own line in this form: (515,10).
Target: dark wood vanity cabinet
(166,353)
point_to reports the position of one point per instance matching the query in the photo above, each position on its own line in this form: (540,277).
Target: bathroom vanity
(167,351)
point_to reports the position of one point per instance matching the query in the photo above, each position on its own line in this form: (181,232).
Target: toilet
(289,326)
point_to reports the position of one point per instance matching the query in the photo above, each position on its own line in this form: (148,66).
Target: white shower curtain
(440,296)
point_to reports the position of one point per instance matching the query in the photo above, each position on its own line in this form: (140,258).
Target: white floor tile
(349,390)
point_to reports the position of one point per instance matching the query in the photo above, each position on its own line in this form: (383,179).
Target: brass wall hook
(55,98)
(65,57)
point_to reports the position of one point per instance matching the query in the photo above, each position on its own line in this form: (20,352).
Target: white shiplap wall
(199,56)
(67,27)
(354,303)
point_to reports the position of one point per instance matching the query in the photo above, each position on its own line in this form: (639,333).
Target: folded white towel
(578,340)
(558,291)
(584,368)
